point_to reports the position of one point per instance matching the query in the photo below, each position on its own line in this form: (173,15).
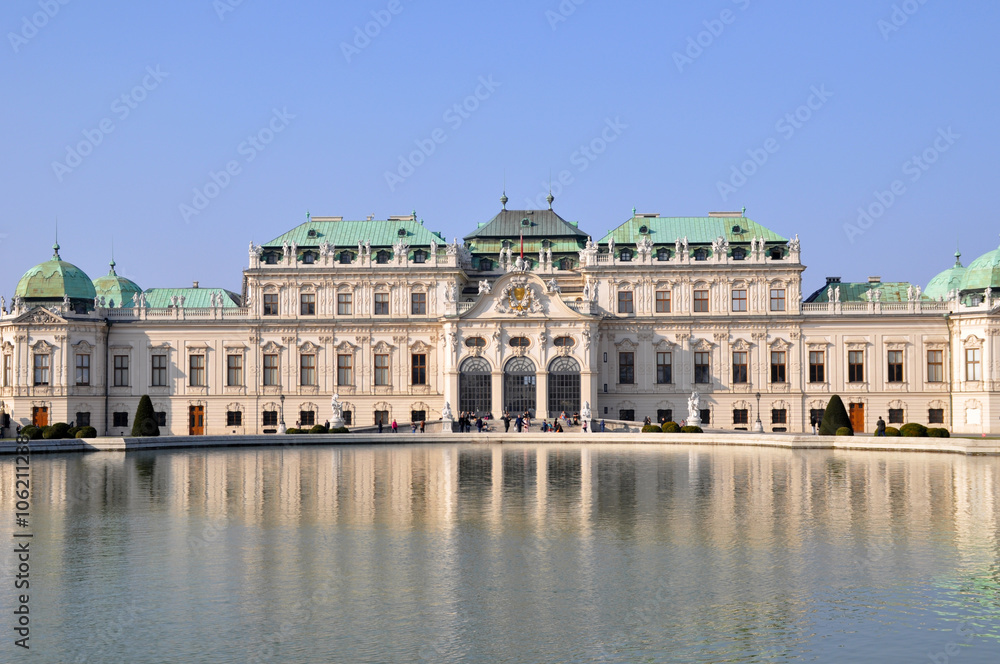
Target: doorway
(40,416)
(858,417)
(196,424)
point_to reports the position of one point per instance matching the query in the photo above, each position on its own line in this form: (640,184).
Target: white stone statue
(484,287)
(794,244)
(909,293)
(611,246)
(65,300)
(586,412)
(836,294)
(553,286)
(446,413)
(694,414)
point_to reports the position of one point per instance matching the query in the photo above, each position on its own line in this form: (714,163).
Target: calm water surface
(509,554)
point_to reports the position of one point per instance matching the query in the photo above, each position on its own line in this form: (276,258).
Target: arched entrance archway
(564,386)
(519,386)
(475,386)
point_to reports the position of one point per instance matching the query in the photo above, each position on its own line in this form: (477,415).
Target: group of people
(467,420)
(522,422)
(415,426)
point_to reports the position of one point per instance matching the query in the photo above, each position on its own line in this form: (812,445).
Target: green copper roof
(346,234)
(946,281)
(982,273)
(540,224)
(194,298)
(698,230)
(892,291)
(117,291)
(54,279)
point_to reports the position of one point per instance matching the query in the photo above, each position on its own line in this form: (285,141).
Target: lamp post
(281,425)
(758,427)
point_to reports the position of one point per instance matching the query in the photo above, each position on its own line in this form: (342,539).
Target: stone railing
(889,308)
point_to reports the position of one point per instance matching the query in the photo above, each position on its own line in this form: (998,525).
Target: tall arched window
(475,386)
(519,383)
(564,386)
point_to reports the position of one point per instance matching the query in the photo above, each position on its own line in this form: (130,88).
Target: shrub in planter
(670,427)
(651,428)
(32,432)
(834,417)
(691,429)
(340,430)
(913,430)
(891,431)
(845,431)
(72,432)
(86,432)
(319,428)
(938,432)
(291,430)
(50,432)
(145,419)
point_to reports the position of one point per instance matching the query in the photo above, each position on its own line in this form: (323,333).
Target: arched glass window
(475,386)
(519,386)
(662,254)
(475,342)
(520,342)
(271,258)
(739,254)
(625,255)
(561,342)
(564,386)
(700,254)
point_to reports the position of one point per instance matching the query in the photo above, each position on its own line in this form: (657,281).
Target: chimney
(874,280)
(833,280)
(195,285)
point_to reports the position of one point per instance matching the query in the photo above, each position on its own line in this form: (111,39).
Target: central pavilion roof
(534,225)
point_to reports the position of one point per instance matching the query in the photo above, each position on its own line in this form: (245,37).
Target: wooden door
(196,424)
(40,416)
(858,417)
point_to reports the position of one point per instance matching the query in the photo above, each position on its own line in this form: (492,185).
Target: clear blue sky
(683,116)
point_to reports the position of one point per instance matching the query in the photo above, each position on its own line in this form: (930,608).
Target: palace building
(528,312)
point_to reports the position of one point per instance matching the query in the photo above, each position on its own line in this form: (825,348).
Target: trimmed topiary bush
(86,432)
(72,432)
(845,431)
(913,430)
(291,430)
(32,432)
(891,431)
(145,419)
(56,431)
(938,432)
(670,427)
(834,417)
(691,429)
(319,428)
(651,428)
(340,430)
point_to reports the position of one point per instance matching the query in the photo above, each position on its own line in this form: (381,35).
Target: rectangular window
(41,369)
(158,375)
(935,416)
(418,369)
(270,418)
(382,417)
(740,374)
(779,416)
(307,418)
(344,304)
(702,367)
(663,302)
(895,374)
(307,304)
(626,368)
(382,369)
(345,370)
(855,366)
(777,299)
(82,419)
(741,416)
(418,415)
(701,301)
(161,418)
(418,304)
(935,366)
(82,369)
(234,370)
(197,370)
(706,416)
(664,415)
(307,369)
(895,416)
(270,304)
(973,361)
(271,369)
(627,415)
(119,420)
(664,368)
(740,300)
(121,371)
(778,366)
(817,366)
(625,304)
(347,417)
(234,418)
(381,304)
(7,370)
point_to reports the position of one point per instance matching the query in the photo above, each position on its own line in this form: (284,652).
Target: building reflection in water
(437,540)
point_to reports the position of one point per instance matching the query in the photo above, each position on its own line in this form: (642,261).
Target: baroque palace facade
(527,313)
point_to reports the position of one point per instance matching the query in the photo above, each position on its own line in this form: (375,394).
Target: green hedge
(340,430)
(834,417)
(86,432)
(891,431)
(845,431)
(670,427)
(32,432)
(913,430)
(691,429)
(319,428)
(938,432)
(651,428)
(56,431)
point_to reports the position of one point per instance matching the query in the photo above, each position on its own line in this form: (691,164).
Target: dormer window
(311,233)
(700,254)
(485,265)
(565,264)
(739,254)
(625,255)
(644,229)
(401,232)
(419,256)
(346,257)
(308,258)
(382,257)
(271,258)
(662,254)
(776,254)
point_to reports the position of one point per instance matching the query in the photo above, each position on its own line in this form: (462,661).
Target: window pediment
(780,344)
(741,345)
(625,345)
(309,347)
(42,346)
(346,347)
(271,347)
(702,344)
(382,347)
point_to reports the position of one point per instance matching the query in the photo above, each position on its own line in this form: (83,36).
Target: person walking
(479,424)
(422,423)
(585,426)
(380,425)
(602,426)
(814,421)
(395,427)
(506,422)
(518,423)
(880,427)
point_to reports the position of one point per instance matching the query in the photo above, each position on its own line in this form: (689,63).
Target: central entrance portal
(475,386)
(519,386)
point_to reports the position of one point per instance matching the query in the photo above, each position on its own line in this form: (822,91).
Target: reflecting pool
(507,553)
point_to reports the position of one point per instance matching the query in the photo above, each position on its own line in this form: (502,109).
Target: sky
(179,132)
